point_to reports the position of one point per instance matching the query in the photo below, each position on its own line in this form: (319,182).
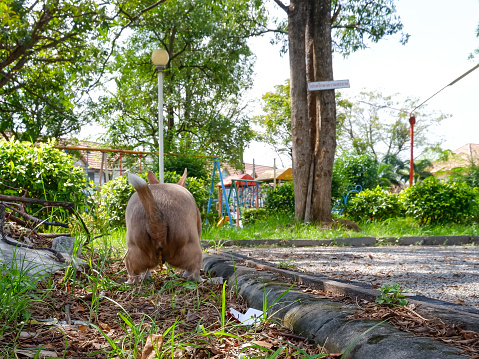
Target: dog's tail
(156,223)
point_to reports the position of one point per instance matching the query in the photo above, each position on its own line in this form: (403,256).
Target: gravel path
(447,273)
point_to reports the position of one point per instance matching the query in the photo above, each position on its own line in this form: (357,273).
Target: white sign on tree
(328,85)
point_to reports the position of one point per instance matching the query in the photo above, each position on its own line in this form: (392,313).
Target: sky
(442,37)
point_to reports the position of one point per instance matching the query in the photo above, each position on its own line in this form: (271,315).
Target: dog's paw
(133,280)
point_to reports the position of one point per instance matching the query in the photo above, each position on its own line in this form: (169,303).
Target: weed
(392,295)
(289,264)
(18,286)
(266,308)
(304,354)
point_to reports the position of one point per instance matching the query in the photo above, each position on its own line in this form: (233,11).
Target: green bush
(435,202)
(280,199)
(113,200)
(469,175)
(374,204)
(116,193)
(197,166)
(43,172)
(253,215)
(350,170)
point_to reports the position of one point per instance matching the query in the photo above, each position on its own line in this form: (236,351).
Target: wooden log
(36,201)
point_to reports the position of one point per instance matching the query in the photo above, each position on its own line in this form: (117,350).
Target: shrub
(197,166)
(253,215)
(374,204)
(436,202)
(469,175)
(281,198)
(350,170)
(116,193)
(43,172)
(113,200)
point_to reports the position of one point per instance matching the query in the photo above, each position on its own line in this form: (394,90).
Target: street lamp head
(160,58)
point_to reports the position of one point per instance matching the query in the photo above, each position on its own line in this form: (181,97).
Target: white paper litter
(252,316)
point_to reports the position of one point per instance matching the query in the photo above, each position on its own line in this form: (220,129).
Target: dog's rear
(163,223)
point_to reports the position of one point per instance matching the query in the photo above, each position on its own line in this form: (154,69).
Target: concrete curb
(320,320)
(452,313)
(353,241)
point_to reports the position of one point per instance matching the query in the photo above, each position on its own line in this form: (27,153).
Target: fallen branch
(54,235)
(37,201)
(68,205)
(4,238)
(35,219)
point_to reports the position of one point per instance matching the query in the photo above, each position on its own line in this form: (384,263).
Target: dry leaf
(49,321)
(105,327)
(191,316)
(83,328)
(153,345)
(27,335)
(263,344)
(88,296)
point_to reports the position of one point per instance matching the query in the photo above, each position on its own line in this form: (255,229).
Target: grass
(286,228)
(179,318)
(19,283)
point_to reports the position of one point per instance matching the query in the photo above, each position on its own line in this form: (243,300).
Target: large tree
(210,68)
(476,51)
(51,54)
(314,28)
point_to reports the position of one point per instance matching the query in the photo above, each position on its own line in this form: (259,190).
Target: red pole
(412,121)
(140,162)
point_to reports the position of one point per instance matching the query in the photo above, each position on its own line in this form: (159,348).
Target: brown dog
(163,223)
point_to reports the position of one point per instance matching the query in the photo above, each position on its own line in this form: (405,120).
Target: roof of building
(285,174)
(248,168)
(94,156)
(228,181)
(461,157)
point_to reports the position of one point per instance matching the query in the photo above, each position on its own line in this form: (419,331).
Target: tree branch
(282,6)
(4,197)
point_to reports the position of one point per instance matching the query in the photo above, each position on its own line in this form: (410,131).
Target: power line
(380,107)
(452,83)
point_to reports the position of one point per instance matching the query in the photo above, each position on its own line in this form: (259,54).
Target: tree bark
(326,108)
(300,125)
(313,114)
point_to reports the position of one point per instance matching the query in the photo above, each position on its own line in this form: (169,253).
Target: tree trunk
(300,125)
(326,108)
(313,114)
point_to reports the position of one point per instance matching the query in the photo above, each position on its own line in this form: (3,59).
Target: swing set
(235,192)
(104,151)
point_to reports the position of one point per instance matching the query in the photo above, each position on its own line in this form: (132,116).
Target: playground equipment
(341,204)
(235,192)
(216,167)
(89,153)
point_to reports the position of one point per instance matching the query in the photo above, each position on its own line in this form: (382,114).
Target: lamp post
(160,60)
(412,122)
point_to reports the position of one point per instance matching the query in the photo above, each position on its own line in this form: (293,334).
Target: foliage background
(43,172)
(116,193)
